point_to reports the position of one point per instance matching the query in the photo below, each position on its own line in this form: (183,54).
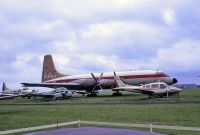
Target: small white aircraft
(59,93)
(8,93)
(151,89)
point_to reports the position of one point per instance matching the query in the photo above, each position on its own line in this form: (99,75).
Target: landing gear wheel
(117,94)
(92,95)
(178,95)
(150,96)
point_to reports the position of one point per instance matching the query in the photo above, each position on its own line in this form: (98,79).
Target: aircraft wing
(129,89)
(136,89)
(10,96)
(43,95)
(53,85)
(3,94)
(80,92)
(147,91)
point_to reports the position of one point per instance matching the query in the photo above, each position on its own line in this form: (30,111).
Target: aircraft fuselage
(135,77)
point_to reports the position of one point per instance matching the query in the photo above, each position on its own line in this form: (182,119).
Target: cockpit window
(163,86)
(155,85)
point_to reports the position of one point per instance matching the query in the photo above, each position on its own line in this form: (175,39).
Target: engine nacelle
(107,83)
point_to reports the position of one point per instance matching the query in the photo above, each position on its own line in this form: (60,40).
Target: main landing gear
(92,95)
(117,94)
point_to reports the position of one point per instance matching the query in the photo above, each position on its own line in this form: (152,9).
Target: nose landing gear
(117,93)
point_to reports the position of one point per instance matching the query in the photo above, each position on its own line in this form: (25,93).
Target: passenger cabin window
(147,86)
(163,86)
(155,86)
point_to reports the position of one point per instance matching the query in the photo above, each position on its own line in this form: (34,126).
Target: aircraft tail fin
(119,82)
(4,87)
(49,71)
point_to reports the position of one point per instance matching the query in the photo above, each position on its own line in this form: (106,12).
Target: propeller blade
(94,77)
(100,76)
(100,87)
(115,74)
(97,82)
(94,88)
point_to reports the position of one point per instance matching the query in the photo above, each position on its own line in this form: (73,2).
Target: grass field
(18,113)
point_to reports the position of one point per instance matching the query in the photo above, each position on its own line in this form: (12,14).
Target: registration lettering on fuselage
(49,75)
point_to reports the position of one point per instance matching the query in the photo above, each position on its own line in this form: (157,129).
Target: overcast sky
(87,36)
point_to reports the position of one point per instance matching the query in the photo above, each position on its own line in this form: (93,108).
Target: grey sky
(99,35)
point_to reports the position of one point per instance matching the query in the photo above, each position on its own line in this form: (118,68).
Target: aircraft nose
(174,80)
(180,89)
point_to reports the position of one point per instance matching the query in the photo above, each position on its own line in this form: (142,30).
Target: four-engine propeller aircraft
(157,88)
(92,83)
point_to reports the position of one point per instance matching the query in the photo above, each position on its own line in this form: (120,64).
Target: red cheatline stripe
(111,77)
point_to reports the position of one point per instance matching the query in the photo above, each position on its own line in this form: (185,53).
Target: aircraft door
(163,86)
(155,86)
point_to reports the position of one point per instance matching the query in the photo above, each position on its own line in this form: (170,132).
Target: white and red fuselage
(90,82)
(135,77)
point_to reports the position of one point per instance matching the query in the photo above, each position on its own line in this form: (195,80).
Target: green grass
(190,94)
(24,116)
(20,115)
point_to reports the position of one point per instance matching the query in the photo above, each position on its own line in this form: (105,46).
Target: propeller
(114,78)
(115,73)
(157,71)
(19,90)
(97,82)
(34,91)
(64,94)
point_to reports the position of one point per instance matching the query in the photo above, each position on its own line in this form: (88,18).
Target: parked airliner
(91,83)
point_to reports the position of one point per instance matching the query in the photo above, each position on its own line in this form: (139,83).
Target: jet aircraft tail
(118,81)
(49,71)
(4,87)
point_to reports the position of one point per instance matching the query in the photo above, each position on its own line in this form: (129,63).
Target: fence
(78,123)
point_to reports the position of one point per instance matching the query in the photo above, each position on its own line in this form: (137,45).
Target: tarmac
(93,131)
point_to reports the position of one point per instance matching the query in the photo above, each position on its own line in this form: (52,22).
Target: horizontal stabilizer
(53,85)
